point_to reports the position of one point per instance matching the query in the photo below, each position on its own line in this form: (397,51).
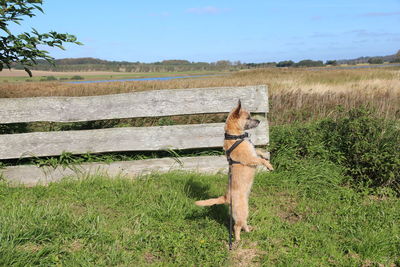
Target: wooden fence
(131,105)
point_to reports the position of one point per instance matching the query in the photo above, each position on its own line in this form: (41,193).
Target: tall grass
(295,94)
(367,147)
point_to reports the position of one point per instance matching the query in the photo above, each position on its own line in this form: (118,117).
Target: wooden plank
(30,175)
(120,139)
(131,105)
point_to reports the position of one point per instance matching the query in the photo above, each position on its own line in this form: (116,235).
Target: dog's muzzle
(250,124)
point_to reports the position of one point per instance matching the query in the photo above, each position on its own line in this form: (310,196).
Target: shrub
(331,62)
(375,60)
(367,147)
(77,77)
(286,63)
(51,78)
(309,63)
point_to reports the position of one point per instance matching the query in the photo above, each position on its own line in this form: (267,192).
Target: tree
(309,63)
(287,63)
(331,62)
(375,60)
(396,57)
(223,63)
(23,48)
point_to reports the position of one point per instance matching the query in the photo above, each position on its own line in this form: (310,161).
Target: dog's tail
(212,201)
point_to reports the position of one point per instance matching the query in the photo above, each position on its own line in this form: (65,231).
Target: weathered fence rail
(131,105)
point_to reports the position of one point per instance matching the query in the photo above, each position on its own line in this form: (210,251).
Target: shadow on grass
(199,191)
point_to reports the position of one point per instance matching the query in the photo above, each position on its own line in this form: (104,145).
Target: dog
(243,159)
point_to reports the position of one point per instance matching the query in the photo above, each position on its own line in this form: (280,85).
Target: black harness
(240,139)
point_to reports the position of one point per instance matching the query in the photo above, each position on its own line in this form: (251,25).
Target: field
(295,94)
(20,76)
(333,199)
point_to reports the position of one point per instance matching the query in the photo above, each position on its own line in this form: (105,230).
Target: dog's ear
(236,112)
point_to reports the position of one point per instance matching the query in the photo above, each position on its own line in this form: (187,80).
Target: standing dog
(245,159)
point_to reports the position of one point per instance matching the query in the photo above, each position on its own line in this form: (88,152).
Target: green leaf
(38,8)
(22,48)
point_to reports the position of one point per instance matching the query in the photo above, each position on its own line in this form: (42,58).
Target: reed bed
(295,94)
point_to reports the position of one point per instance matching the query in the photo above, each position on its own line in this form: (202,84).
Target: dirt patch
(78,209)
(373,199)
(74,246)
(150,257)
(243,254)
(286,206)
(367,262)
(29,247)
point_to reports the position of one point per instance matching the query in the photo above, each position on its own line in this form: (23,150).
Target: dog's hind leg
(240,213)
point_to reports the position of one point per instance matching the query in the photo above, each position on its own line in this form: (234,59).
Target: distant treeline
(95,64)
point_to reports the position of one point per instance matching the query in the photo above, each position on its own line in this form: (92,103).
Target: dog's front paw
(268,165)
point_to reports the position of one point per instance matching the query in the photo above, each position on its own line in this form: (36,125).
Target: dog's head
(239,120)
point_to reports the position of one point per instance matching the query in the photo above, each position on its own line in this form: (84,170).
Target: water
(142,79)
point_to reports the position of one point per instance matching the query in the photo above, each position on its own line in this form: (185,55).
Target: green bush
(309,63)
(375,60)
(77,77)
(367,147)
(48,78)
(51,78)
(286,63)
(331,62)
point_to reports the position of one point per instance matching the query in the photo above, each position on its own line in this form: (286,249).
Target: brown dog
(246,158)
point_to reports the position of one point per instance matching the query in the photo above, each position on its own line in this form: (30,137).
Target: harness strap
(230,206)
(235,137)
(229,151)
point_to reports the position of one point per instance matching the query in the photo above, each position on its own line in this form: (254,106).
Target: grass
(302,217)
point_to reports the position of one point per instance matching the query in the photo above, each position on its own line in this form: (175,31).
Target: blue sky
(201,30)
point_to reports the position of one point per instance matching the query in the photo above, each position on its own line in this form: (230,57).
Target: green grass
(303,216)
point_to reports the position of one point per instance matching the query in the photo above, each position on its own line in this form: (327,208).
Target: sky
(212,30)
